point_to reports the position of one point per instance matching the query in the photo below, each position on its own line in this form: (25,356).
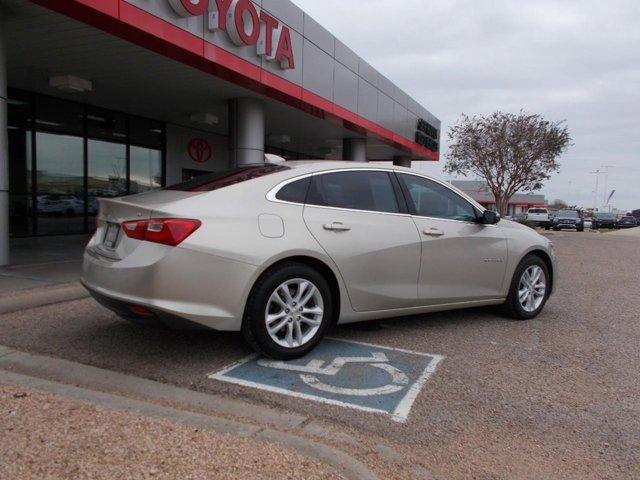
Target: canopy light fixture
(205,118)
(71,84)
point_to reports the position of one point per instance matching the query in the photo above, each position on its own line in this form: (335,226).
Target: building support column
(4,157)
(400,161)
(354,149)
(246,131)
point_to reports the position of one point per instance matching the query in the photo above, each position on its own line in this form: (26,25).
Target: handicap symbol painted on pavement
(350,374)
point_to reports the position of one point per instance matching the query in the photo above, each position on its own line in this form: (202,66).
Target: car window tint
(430,199)
(295,191)
(357,190)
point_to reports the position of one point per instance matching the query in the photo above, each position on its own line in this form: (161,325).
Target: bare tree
(512,152)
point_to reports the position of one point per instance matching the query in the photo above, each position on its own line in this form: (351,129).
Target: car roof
(320,165)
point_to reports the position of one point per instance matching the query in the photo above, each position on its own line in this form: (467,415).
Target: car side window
(356,190)
(430,199)
(295,192)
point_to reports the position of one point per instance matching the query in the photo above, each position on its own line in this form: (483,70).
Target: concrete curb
(106,389)
(38,297)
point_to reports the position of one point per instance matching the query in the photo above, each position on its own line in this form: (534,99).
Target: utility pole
(595,192)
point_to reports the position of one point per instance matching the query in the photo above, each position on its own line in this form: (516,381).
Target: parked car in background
(539,217)
(60,204)
(281,252)
(568,219)
(627,222)
(605,220)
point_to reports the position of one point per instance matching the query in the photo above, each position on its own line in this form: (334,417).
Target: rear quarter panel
(231,229)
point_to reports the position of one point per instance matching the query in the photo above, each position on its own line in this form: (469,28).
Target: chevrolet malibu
(281,252)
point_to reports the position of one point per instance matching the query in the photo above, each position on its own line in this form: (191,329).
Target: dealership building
(102,98)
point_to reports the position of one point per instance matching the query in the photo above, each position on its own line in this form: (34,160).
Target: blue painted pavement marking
(340,372)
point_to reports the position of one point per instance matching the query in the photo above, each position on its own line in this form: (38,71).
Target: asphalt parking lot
(555,397)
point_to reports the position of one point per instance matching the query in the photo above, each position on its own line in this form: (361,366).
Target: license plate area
(111,236)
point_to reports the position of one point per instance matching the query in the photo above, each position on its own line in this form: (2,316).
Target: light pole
(606,185)
(595,192)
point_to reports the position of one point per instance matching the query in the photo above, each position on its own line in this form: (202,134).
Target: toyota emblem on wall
(199,150)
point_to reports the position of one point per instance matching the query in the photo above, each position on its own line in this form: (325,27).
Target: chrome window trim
(271,194)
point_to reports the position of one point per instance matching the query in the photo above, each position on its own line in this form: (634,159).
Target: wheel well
(324,270)
(544,256)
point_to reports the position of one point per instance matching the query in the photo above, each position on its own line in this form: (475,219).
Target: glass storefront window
(145,170)
(106,125)
(81,153)
(147,133)
(55,115)
(107,173)
(60,183)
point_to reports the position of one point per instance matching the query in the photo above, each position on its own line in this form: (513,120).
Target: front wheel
(288,311)
(529,290)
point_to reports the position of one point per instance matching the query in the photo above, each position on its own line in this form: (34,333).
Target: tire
(262,302)
(581,229)
(513,307)
(556,229)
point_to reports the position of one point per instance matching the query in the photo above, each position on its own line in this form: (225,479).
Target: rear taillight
(167,231)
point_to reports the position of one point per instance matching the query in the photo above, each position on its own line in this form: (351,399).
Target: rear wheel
(529,289)
(288,311)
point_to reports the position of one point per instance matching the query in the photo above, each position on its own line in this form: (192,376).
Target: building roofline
(131,23)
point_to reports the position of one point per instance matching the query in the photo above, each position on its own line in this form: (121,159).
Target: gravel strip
(48,436)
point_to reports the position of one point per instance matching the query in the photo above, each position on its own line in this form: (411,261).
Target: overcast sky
(568,60)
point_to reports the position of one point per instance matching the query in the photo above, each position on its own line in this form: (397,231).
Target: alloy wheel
(532,288)
(294,313)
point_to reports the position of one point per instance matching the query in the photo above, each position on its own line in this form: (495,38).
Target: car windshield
(567,213)
(606,216)
(218,180)
(629,218)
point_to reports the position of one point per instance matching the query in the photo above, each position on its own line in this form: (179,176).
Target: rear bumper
(174,284)
(131,311)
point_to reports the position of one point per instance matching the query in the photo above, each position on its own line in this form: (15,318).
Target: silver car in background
(283,251)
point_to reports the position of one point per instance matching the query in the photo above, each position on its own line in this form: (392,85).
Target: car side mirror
(489,217)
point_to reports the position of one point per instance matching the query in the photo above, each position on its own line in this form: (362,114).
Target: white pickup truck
(539,217)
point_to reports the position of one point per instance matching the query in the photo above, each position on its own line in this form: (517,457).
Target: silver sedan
(284,251)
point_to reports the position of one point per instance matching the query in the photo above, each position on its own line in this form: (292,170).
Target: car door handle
(336,227)
(433,232)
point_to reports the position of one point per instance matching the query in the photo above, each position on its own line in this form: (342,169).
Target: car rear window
(295,192)
(537,210)
(218,180)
